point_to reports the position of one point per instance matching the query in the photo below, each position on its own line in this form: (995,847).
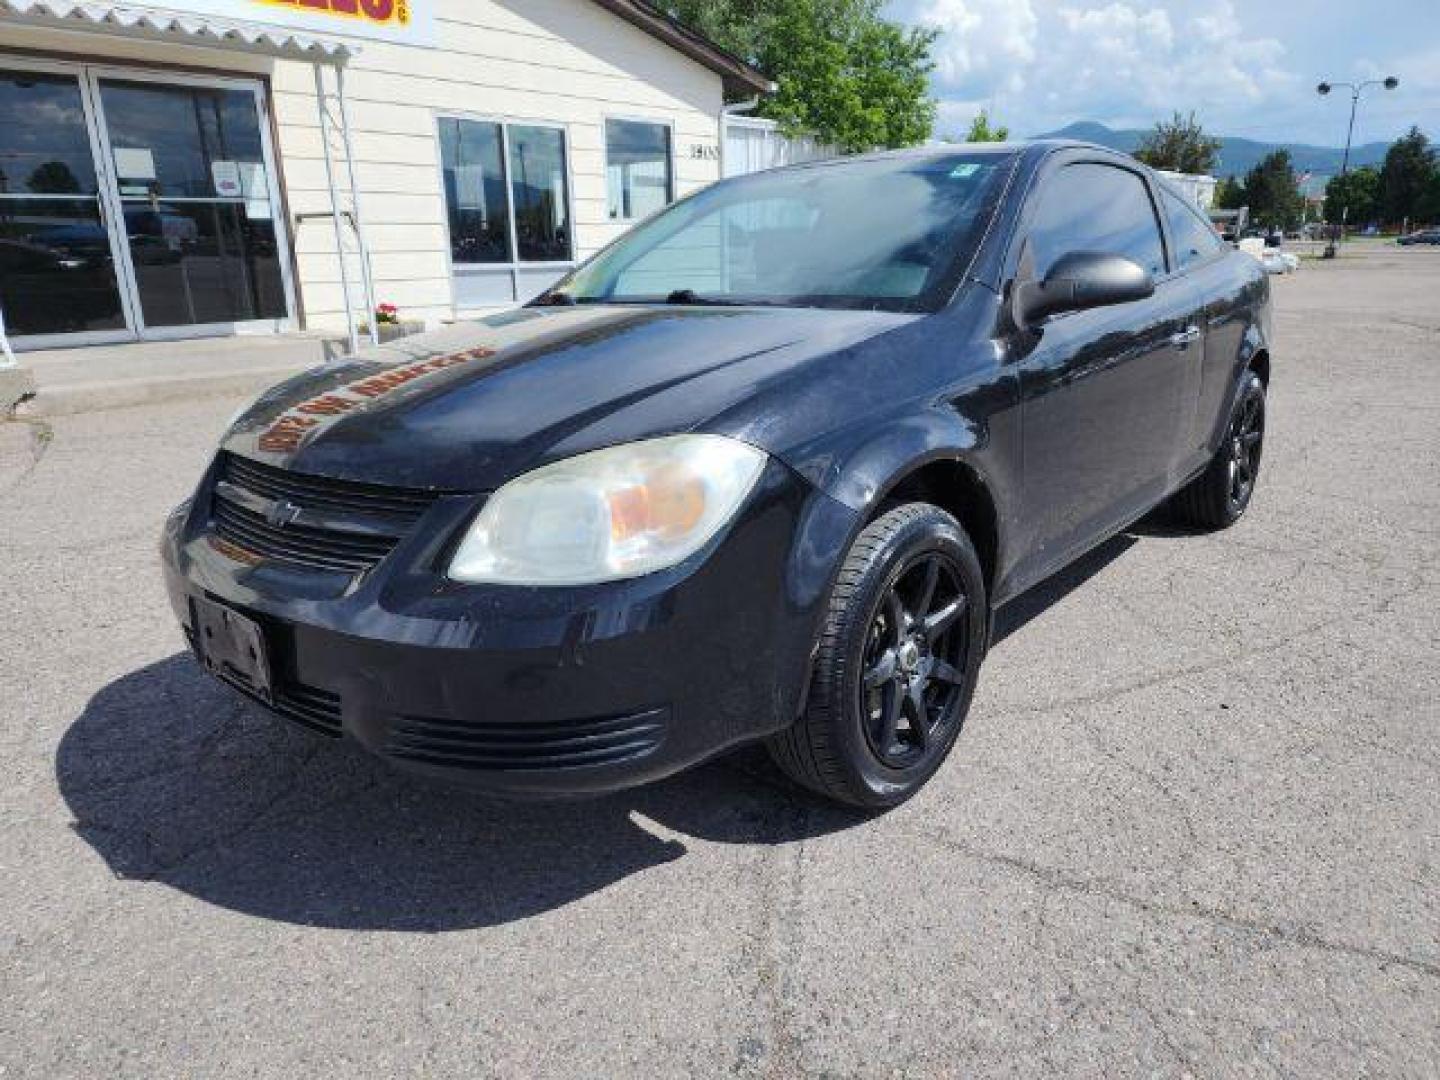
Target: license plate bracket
(231,646)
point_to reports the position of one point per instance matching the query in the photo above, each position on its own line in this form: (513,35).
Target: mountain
(1237,156)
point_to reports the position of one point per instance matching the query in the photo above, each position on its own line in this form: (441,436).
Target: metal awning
(158,25)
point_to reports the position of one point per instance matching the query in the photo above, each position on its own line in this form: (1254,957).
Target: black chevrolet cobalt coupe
(763,469)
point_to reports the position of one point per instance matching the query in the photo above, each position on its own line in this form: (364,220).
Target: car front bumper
(529,691)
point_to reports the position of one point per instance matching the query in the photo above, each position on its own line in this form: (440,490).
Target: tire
(1220,495)
(900,641)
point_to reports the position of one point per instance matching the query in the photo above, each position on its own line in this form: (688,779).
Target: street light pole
(1390,82)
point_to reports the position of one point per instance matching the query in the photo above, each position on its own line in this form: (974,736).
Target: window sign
(406,22)
(226,175)
(134,164)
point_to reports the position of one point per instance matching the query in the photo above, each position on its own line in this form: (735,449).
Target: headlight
(614,513)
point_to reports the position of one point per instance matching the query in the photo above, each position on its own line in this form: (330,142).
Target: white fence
(1199,189)
(752,144)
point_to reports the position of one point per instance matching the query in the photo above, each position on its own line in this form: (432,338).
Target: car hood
(471,406)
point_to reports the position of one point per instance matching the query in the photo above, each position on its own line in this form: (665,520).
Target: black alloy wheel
(897,662)
(1246,440)
(914,660)
(1220,495)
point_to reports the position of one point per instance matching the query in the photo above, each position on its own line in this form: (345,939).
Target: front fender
(872,466)
(858,471)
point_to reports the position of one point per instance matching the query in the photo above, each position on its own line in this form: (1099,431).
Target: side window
(1092,207)
(637,168)
(1192,235)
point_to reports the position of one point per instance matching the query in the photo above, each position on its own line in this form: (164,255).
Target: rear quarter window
(1192,236)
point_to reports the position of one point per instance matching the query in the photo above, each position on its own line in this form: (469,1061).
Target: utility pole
(1390,82)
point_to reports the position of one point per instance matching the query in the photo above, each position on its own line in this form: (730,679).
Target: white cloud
(985,43)
(1043,63)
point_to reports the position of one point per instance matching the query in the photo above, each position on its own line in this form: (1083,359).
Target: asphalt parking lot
(1192,827)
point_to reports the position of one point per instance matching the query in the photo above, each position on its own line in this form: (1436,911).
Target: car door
(1105,393)
(1218,316)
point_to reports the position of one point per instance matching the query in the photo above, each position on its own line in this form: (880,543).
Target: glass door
(194,187)
(58,277)
(135,204)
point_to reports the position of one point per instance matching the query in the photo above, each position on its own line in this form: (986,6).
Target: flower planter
(392,331)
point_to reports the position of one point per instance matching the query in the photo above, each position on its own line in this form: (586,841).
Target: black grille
(309,706)
(311,521)
(515,746)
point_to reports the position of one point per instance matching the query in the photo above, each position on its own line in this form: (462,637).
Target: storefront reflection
(56,272)
(202,263)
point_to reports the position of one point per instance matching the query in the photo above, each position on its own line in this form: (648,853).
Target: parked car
(44,288)
(1423,236)
(763,469)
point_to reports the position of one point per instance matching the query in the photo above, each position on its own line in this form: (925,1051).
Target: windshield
(888,233)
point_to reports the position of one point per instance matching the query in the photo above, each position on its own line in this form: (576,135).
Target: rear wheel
(1219,496)
(897,664)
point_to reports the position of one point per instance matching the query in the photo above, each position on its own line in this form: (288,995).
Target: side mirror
(1080,280)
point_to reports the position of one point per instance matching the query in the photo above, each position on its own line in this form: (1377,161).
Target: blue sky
(1247,67)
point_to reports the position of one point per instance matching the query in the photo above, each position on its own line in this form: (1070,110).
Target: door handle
(1184,337)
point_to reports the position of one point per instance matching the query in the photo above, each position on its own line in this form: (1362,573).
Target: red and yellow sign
(405,22)
(382,12)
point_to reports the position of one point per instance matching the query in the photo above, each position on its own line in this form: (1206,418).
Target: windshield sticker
(961,171)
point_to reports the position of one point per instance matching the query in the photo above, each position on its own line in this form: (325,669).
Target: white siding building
(163,171)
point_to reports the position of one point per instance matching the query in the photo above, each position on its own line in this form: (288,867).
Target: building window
(637,168)
(541,193)
(507,192)
(475,192)
(507,204)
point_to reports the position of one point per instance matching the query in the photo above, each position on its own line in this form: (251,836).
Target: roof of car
(1037,147)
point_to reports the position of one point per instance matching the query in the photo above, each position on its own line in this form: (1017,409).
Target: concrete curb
(66,400)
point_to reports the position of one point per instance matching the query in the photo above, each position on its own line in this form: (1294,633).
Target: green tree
(843,72)
(1428,212)
(1229,194)
(1273,192)
(1354,197)
(53,178)
(1405,176)
(981,131)
(1179,144)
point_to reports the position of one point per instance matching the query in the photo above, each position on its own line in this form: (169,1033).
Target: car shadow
(172,778)
(1037,600)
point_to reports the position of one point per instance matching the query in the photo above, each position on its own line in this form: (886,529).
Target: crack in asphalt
(1167,1040)
(1297,936)
(1114,693)
(778,935)
(42,435)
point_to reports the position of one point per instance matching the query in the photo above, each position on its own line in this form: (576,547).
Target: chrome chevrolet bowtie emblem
(282,513)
